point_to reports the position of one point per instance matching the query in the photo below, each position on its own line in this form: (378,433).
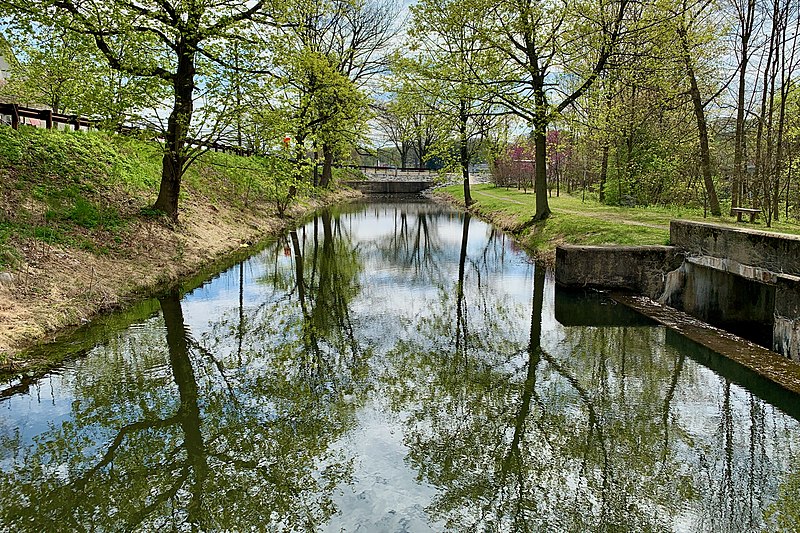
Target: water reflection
(190,442)
(396,367)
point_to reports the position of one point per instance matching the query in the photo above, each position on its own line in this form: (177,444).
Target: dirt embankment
(56,286)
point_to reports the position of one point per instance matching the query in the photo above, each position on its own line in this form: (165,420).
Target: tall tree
(413,117)
(449,52)
(746,19)
(692,24)
(173,38)
(397,128)
(350,41)
(318,105)
(547,54)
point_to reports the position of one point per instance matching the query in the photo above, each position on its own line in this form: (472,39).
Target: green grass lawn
(83,189)
(578,221)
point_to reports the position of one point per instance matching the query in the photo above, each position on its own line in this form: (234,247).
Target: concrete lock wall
(746,281)
(641,269)
(774,252)
(731,302)
(768,260)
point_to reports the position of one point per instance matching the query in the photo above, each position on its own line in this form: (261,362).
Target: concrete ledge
(730,266)
(775,252)
(760,360)
(390,187)
(641,269)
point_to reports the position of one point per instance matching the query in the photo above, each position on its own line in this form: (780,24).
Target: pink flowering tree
(514,166)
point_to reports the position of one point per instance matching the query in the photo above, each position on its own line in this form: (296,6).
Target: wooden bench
(743,210)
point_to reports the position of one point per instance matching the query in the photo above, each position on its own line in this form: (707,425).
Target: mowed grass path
(578,221)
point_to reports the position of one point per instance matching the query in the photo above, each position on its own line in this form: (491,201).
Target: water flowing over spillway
(394,367)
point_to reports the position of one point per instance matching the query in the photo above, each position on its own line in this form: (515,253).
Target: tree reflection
(326,280)
(306,323)
(210,448)
(414,242)
(517,426)
(595,433)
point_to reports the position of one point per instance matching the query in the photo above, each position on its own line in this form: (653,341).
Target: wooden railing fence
(50,120)
(18,112)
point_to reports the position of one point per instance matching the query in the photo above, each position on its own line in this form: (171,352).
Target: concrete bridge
(390,187)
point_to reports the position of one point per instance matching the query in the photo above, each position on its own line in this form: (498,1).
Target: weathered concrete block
(786,330)
(786,337)
(787,300)
(770,251)
(642,269)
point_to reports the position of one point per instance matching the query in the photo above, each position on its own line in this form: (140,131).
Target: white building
(6,58)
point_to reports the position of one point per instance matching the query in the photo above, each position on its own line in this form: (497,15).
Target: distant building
(6,60)
(5,70)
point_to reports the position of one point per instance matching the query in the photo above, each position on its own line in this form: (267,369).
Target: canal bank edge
(205,237)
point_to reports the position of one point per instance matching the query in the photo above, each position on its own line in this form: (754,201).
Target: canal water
(394,367)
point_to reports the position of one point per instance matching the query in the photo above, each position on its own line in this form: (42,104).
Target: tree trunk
(540,145)
(315,166)
(558,180)
(464,151)
(404,155)
(787,67)
(606,140)
(177,131)
(327,166)
(702,127)
(603,172)
(761,167)
(746,20)
(540,170)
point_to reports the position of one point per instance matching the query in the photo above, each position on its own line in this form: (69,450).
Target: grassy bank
(77,236)
(582,221)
